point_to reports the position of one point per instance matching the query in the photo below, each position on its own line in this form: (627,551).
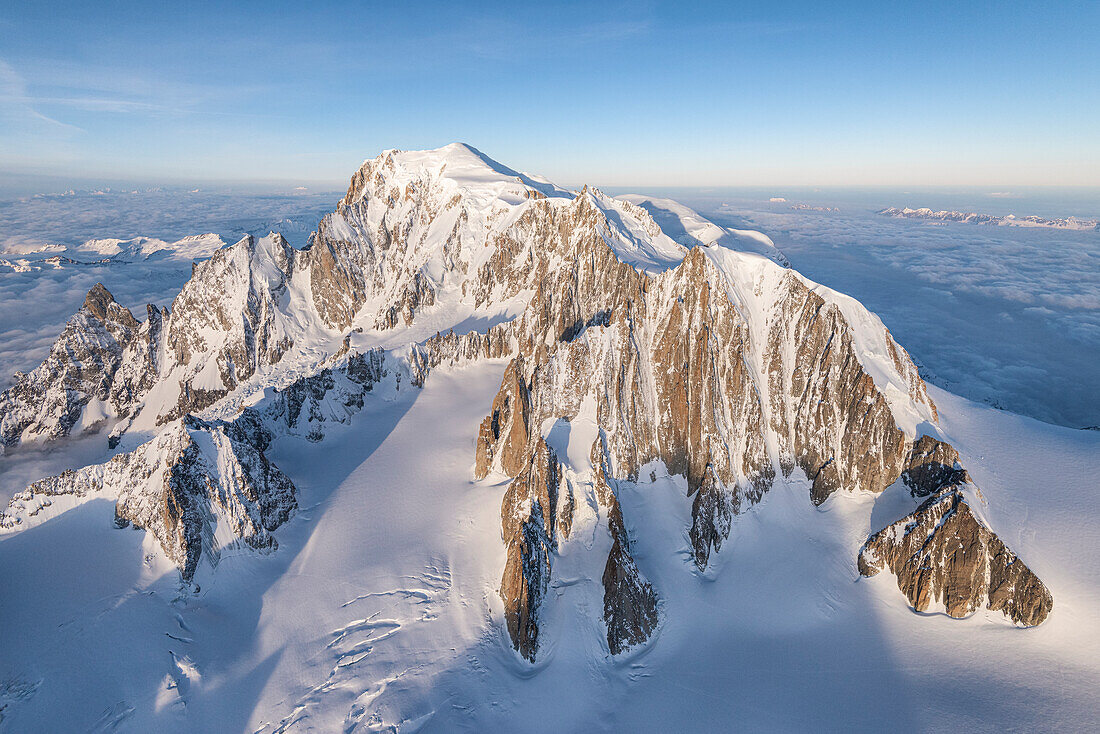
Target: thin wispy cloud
(99,88)
(18,109)
(98,104)
(106,104)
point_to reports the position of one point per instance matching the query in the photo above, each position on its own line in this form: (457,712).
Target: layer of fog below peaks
(1008,316)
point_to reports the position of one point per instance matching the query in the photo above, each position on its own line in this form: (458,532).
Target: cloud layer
(1002,315)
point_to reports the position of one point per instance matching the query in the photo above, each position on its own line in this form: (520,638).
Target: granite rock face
(932,465)
(81,368)
(829,414)
(728,377)
(537,515)
(529,519)
(631,607)
(506,431)
(198,487)
(945,556)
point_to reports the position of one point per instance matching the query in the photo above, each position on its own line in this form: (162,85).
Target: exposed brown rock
(340,288)
(528,518)
(708,410)
(505,432)
(417,293)
(537,509)
(629,602)
(943,554)
(932,465)
(140,363)
(830,417)
(355,259)
(666,361)
(903,363)
(100,304)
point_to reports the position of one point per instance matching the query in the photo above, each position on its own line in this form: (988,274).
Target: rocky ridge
(944,555)
(103,355)
(197,487)
(728,369)
(202,485)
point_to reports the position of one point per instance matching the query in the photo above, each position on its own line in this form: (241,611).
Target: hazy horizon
(1049,200)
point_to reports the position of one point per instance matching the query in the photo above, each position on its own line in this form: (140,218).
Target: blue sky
(646,94)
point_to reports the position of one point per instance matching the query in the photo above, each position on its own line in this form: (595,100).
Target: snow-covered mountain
(197,247)
(1010,220)
(658,381)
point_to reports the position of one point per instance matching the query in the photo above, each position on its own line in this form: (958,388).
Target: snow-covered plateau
(489,454)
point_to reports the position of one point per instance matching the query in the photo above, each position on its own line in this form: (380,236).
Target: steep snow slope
(688,228)
(1009,316)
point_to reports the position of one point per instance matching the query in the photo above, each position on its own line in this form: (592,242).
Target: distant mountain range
(1009,220)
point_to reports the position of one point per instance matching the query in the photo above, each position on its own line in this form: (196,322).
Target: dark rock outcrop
(333,395)
(197,475)
(506,431)
(943,555)
(932,465)
(529,522)
(630,604)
